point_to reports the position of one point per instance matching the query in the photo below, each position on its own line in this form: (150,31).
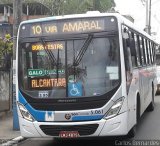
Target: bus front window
(70,68)
(38,68)
(98,70)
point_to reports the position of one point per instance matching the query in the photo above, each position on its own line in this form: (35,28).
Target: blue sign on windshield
(75,89)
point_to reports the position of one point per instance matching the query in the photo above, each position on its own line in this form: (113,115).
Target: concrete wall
(5,90)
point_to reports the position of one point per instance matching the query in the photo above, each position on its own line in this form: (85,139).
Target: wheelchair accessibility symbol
(75,89)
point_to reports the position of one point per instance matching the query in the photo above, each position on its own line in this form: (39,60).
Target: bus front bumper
(115,126)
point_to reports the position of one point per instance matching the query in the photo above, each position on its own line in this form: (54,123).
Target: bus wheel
(132,132)
(150,108)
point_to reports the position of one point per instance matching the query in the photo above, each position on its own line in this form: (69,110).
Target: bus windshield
(69,68)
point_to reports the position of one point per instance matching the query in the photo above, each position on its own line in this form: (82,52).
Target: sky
(137,10)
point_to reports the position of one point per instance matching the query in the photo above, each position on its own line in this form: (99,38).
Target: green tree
(82,6)
(6,48)
(63,7)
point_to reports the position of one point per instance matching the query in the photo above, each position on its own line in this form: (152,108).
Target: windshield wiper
(82,50)
(52,57)
(49,52)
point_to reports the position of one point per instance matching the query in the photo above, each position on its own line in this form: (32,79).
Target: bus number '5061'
(96,112)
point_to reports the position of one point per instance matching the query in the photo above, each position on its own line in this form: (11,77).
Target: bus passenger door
(132,82)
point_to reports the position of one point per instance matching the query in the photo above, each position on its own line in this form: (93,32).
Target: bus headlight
(114,110)
(24,112)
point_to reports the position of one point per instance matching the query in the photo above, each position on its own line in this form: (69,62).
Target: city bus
(83,75)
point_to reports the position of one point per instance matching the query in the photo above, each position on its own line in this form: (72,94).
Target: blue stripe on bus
(86,118)
(21,98)
(37,115)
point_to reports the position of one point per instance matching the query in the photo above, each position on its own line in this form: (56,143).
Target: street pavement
(149,125)
(6,127)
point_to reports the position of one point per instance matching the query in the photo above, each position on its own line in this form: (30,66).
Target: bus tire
(150,108)
(132,132)
(138,107)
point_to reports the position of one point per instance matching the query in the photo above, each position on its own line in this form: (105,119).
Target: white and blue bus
(84,75)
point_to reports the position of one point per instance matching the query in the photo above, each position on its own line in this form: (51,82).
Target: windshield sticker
(113,76)
(111,69)
(47,83)
(43,94)
(75,89)
(71,79)
(48,46)
(42,54)
(41,72)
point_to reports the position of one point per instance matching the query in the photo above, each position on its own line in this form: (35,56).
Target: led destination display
(49,46)
(42,83)
(67,27)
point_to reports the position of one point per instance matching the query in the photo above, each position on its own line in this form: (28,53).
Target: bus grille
(54,130)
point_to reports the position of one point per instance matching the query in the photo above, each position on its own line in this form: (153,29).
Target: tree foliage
(62,7)
(6,48)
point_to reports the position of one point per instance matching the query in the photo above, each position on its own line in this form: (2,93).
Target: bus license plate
(69,134)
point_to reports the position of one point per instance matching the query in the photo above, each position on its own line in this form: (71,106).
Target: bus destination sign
(47,83)
(64,27)
(49,46)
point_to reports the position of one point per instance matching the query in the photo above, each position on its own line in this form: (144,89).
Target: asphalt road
(147,129)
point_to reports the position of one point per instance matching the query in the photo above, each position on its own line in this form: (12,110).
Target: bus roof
(121,19)
(85,15)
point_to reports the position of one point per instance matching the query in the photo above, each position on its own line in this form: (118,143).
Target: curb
(14,141)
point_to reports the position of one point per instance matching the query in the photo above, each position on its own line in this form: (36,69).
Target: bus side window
(151,51)
(154,52)
(133,49)
(145,51)
(137,50)
(141,50)
(127,52)
(127,59)
(148,53)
